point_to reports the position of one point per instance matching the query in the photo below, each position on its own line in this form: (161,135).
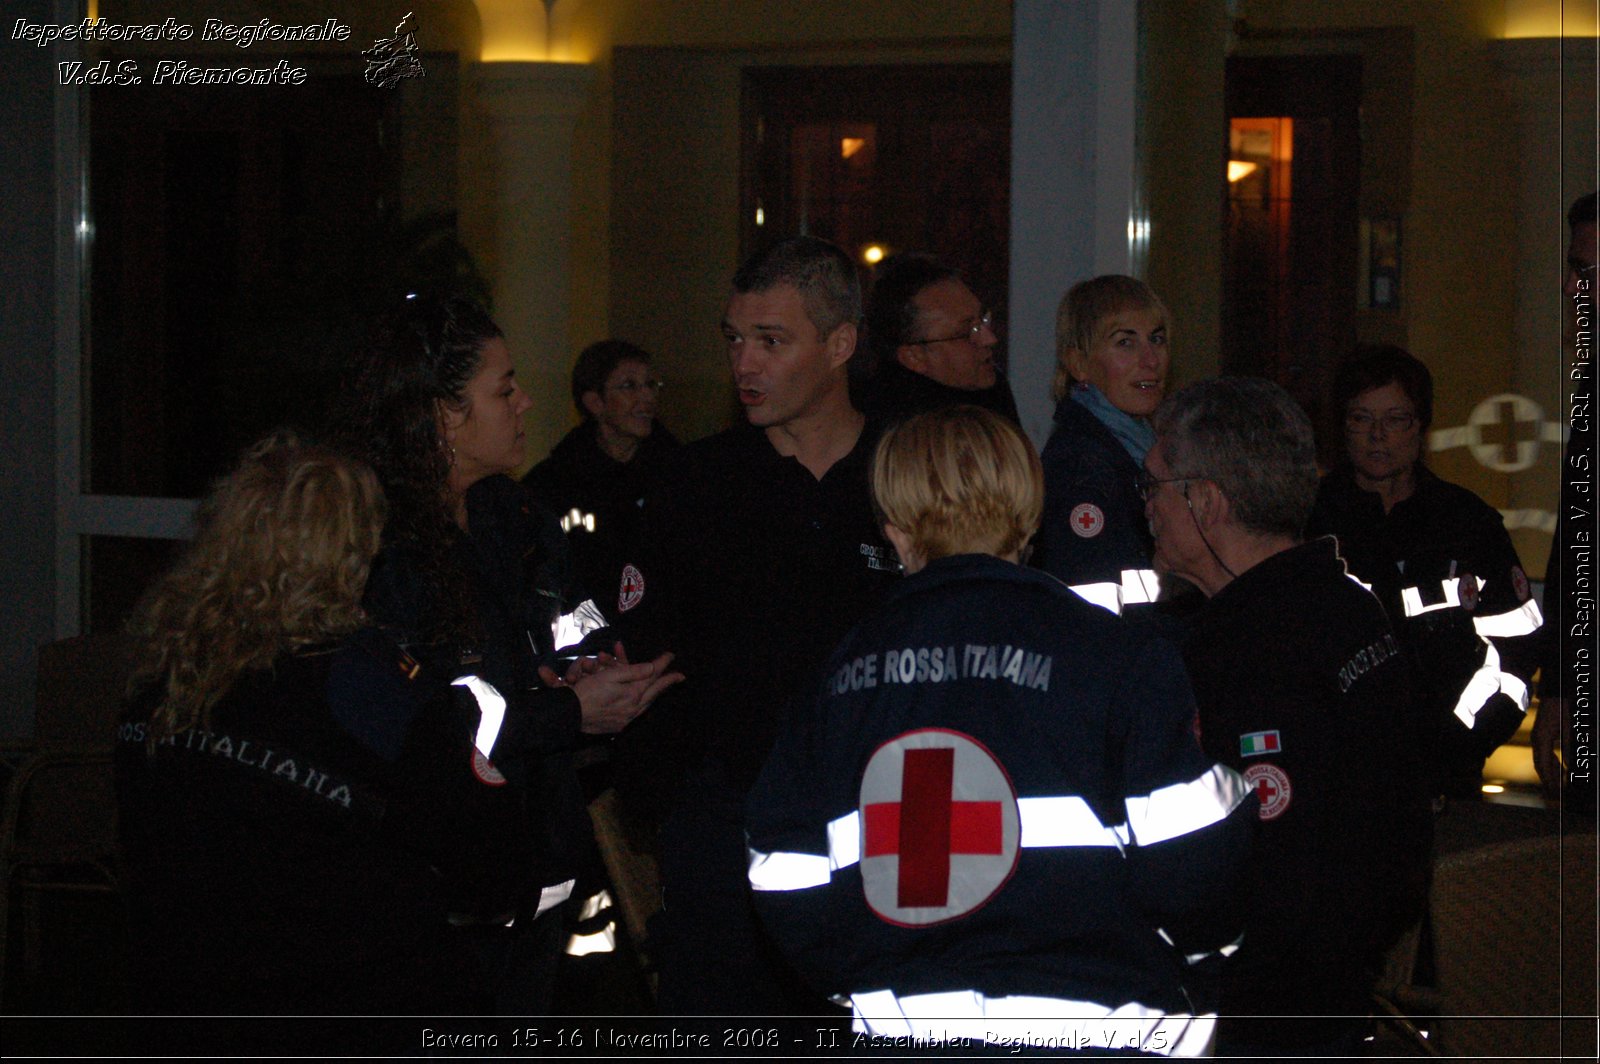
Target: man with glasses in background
(1302,689)
(932,344)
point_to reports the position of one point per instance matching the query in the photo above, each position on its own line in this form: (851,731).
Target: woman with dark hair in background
(596,477)
(1439,559)
(476,579)
(1111,374)
(298,816)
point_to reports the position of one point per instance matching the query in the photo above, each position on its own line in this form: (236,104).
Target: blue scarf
(1134,433)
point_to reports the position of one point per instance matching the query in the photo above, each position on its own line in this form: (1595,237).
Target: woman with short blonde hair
(983,748)
(957,481)
(1111,374)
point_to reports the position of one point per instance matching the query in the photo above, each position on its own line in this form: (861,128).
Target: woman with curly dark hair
(475,579)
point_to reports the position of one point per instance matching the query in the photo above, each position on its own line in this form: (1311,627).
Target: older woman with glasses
(1440,560)
(597,476)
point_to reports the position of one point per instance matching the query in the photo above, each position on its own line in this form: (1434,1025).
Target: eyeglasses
(986,321)
(1147,483)
(1361,421)
(629,387)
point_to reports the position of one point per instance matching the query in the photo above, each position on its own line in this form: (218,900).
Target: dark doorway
(1290,270)
(883,159)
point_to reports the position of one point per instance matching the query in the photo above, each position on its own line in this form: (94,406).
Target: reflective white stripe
(570,628)
(1063,821)
(1138,587)
(1060,820)
(602,941)
(1169,812)
(1364,585)
(491,710)
(550,897)
(1107,596)
(595,904)
(1487,682)
(844,841)
(1226,951)
(1524,620)
(1411,598)
(788,871)
(1030,1021)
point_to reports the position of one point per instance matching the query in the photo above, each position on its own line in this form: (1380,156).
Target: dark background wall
(27,366)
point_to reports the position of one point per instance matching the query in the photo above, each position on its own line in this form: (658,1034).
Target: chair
(58,830)
(1515,932)
(633,873)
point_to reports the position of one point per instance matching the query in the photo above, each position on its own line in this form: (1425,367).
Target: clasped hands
(611,690)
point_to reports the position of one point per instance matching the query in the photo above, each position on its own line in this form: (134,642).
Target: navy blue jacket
(578,475)
(1125,826)
(1443,566)
(520,579)
(307,851)
(1093,528)
(1302,687)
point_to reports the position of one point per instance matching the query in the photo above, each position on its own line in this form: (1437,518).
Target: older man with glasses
(1303,690)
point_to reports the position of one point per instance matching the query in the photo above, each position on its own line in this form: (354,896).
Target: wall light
(1550,18)
(873,254)
(1238,170)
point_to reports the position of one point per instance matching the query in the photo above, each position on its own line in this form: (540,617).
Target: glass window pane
(239,237)
(116,571)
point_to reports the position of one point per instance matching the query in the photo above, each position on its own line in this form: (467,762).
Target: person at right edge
(1568,648)
(1303,689)
(1439,559)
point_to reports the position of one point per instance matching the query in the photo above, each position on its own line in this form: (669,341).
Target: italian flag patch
(1259,742)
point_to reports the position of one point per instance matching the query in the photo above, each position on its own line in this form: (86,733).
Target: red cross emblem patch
(631,590)
(1087,520)
(1519,582)
(1467,591)
(939,827)
(1271,785)
(484,769)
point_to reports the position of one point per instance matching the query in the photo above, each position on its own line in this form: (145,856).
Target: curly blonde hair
(279,562)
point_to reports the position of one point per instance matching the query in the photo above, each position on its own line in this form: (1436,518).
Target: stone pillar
(532,108)
(1073,173)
